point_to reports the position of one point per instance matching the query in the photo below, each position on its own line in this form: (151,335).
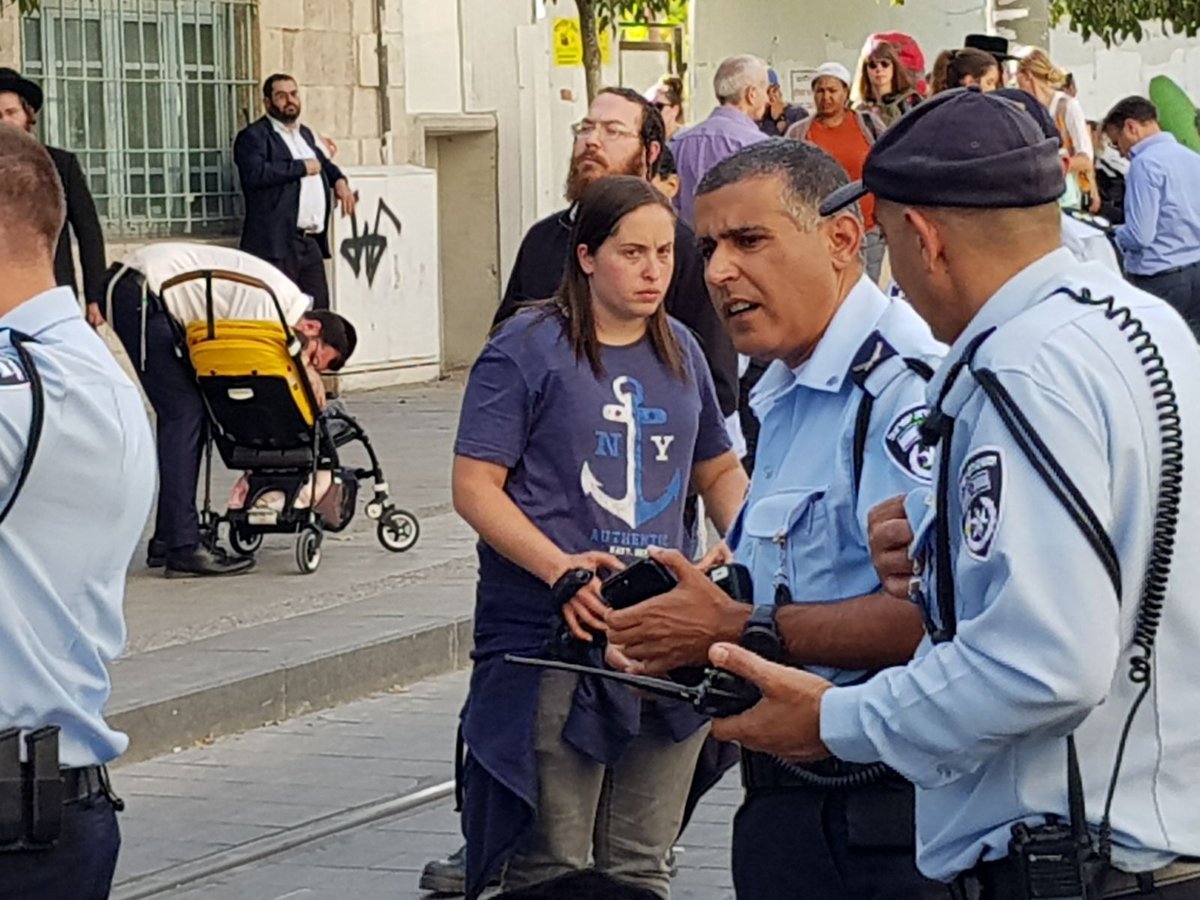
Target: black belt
(999,879)
(1165,272)
(83,783)
(763,772)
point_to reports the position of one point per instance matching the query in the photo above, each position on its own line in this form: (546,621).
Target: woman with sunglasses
(667,98)
(886,86)
(584,421)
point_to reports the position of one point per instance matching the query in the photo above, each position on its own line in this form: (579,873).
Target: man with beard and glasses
(622,134)
(286,176)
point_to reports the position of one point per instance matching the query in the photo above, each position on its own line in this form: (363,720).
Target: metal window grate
(149,94)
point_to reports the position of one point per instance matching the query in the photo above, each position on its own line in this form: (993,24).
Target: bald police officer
(76,483)
(841,406)
(1054,596)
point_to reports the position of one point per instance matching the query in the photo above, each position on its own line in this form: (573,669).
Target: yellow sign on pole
(568,44)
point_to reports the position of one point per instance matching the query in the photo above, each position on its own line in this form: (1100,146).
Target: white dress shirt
(312,187)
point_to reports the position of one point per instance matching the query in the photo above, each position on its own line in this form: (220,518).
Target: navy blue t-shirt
(596,462)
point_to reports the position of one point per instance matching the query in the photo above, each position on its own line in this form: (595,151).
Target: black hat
(11,81)
(1035,108)
(962,148)
(989,43)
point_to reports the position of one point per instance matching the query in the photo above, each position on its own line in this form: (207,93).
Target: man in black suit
(287,177)
(20,103)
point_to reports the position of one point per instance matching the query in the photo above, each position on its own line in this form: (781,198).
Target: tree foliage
(597,14)
(1117,20)
(26,6)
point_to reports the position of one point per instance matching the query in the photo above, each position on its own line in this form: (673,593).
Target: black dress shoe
(156,554)
(203,562)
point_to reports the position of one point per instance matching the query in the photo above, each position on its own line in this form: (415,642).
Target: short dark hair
(32,208)
(269,84)
(652,130)
(1137,108)
(809,174)
(336,332)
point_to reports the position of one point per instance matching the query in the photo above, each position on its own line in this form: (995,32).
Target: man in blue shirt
(841,406)
(1161,234)
(76,482)
(1043,554)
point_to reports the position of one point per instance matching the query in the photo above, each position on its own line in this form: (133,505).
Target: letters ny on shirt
(636,456)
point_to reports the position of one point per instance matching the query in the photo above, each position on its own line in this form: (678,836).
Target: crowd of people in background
(756,150)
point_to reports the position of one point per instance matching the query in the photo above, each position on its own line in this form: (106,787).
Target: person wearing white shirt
(147,320)
(287,176)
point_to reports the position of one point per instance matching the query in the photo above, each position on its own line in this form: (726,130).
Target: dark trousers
(808,844)
(79,867)
(170,385)
(1180,288)
(306,266)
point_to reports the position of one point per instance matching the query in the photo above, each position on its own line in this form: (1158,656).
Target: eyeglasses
(878,64)
(608,131)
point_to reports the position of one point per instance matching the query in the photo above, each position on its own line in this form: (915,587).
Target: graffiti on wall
(365,250)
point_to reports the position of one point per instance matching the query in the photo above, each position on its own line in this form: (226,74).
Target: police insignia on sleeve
(11,373)
(902,441)
(980,492)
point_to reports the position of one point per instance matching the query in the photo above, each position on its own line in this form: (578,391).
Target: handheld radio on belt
(1058,860)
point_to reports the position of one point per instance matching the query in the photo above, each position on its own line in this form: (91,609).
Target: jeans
(624,818)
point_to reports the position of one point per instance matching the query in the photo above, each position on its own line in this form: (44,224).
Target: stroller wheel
(243,541)
(398,530)
(308,550)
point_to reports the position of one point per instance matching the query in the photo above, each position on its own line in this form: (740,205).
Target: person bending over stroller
(149,326)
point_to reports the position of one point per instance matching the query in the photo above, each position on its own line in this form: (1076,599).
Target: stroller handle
(218,275)
(211,275)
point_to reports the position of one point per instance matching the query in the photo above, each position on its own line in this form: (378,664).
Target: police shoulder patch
(981,495)
(902,442)
(11,373)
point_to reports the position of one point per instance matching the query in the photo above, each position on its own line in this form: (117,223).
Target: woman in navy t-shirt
(583,423)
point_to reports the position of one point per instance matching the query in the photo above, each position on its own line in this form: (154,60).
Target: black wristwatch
(761,634)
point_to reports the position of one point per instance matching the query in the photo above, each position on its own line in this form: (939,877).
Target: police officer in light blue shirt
(1049,720)
(841,406)
(76,482)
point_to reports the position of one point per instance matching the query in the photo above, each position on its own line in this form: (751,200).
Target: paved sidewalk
(208,657)
(244,795)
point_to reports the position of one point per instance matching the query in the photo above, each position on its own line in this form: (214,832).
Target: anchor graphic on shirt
(632,508)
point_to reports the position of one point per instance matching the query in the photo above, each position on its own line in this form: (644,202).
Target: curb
(242,704)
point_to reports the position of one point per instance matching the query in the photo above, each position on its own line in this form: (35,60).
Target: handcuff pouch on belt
(31,795)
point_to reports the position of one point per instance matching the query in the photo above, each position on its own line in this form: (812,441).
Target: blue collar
(1163,137)
(830,363)
(41,313)
(1024,290)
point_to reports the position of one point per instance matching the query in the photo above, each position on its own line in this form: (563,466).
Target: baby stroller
(264,421)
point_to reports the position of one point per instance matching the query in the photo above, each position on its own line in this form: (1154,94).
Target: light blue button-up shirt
(1162,207)
(1043,646)
(803,524)
(66,545)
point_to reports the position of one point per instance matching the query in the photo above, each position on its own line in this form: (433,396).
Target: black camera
(1055,863)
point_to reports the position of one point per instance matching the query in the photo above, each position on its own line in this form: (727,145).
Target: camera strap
(37,417)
